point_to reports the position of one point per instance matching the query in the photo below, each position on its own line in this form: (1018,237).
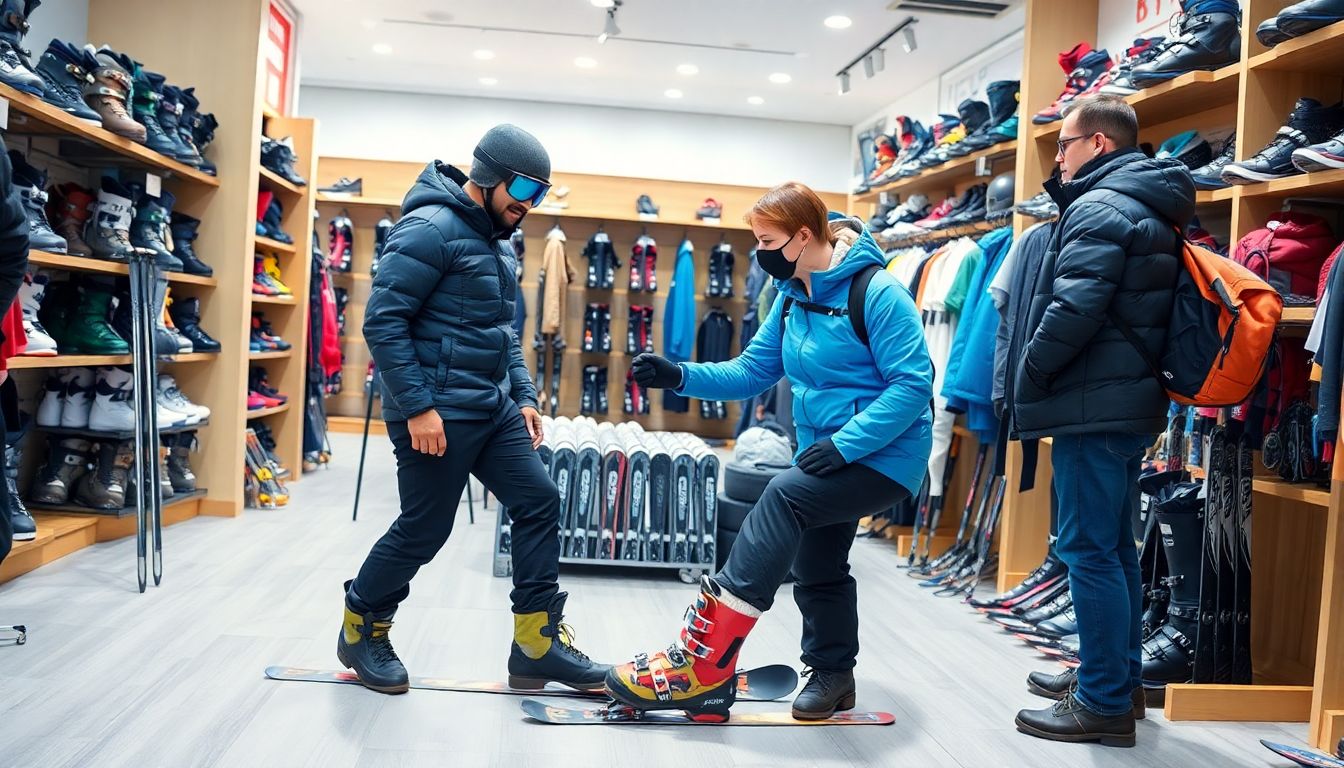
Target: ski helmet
(999,195)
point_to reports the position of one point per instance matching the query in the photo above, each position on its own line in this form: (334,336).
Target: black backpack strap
(1137,343)
(858,291)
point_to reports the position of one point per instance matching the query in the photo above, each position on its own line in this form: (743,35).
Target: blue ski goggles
(520,186)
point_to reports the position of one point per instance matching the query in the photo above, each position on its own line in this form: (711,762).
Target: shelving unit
(594,202)
(1298,542)
(942,177)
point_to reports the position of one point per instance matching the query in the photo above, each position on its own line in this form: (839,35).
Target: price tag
(153,185)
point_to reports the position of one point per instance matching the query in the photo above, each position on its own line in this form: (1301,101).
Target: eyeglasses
(1063,144)
(520,186)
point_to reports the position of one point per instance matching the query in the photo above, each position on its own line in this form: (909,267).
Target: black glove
(657,372)
(821,458)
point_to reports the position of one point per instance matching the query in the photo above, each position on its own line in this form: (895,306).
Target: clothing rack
(940,236)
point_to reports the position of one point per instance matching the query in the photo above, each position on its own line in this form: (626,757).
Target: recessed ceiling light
(585,62)
(781,78)
(368,23)
(838,22)
(489,81)
(687,69)
(755,101)
(382,49)
(603,3)
(483,54)
(673,93)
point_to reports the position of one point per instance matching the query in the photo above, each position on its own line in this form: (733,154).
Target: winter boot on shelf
(110,93)
(1091,65)
(345,186)
(53,391)
(202,127)
(1209,38)
(363,645)
(1210,175)
(105,486)
(975,118)
(259,384)
(180,448)
(543,652)
(149,229)
(588,401)
(170,113)
(271,265)
(166,342)
(1322,156)
(266,337)
(1143,50)
(380,232)
(174,398)
(89,331)
(145,100)
(278,156)
(31,184)
(1310,123)
(1308,16)
(1169,653)
(113,410)
(67,461)
(186,119)
(68,210)
(1057,686)
(1188,147)
(1002,95)
(698,672)
(273,221)
(77,399)
(261,282)
(109,232)
(19,518)
(183,229)
(66,70)
(165,482)
(184,345)
(186,314)
(14,68)
(31,293)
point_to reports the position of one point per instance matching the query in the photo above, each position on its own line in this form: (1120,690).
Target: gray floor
(174,678)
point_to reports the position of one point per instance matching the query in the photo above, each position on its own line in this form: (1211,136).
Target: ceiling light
(781,78)
(909,44)
(603,3)
(838,22)
(489,81)
(609,29)
(844,83)
(687,69)
(483,55)
(868,65)
(673,93)
(755,101)
(880,59)
(585,62)
(382,49)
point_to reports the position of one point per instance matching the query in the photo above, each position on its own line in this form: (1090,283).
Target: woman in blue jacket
(864,434)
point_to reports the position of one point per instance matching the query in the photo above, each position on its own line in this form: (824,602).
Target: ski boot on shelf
(15,71)
(67,461)
(77,399)
(105,486)
(364,646)
(698,672)
(180,447)
(272,269)
(109,232)
(30,183)
(145,98)
(109,93)
(543,652)
(1168,654)
(183,228)
(1046,575)
(186,315)
(68,209)
(20,520)
(31,293)
(381,231)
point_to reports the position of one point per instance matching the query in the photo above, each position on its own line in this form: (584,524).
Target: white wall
(604,141)
(66,20)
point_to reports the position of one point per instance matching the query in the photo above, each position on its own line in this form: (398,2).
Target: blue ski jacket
(871,401)
(679,312)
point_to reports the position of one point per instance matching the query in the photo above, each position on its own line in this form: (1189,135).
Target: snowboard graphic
(615,714)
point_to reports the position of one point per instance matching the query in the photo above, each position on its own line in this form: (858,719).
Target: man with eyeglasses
(1111,262)
(458,400)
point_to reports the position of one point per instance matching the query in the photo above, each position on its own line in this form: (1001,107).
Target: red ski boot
(698,672)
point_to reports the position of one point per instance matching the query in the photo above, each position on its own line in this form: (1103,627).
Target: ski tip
(280,672)
(1306,757)
(536,710)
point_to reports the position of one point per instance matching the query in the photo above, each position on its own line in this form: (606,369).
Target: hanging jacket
(1023,262)
(439,321)
(871,401)
(1114,250)
(556,276)
(713,344)
(969,381)
(679,315)
(940,326)
(1330,356)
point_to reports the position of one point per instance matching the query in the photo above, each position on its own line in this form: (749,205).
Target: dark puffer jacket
(1114,249)
(439,321)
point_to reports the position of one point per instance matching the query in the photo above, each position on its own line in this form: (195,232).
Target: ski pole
(364,444)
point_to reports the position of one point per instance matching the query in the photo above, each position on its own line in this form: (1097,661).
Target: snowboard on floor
(760,684)
(615,714)
(1307,757)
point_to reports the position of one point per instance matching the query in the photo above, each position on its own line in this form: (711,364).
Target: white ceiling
(761,37)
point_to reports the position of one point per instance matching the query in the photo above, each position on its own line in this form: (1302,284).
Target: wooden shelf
(31,115)
(284,301)
(77,263)
(185,279)
(1303,492)
(191,357)
(1321,183)
(272,355)
(1172,100)
(272,181)
(1252,703)
(1208,196)
(359,277)
(68,361)
(75,509)
(275,246)
(945,176)
(57,536)
(264,412)
(351,200)
(1319,51)
(1298,316)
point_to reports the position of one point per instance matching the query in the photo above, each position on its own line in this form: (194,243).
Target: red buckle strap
(694,646)
(697,623)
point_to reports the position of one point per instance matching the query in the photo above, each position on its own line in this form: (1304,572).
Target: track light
(844,82)
(909,44)
(879,59)
(868,66)
(610,29)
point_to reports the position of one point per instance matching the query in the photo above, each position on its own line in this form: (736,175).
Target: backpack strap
(858,290)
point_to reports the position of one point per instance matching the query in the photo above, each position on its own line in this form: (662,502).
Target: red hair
(793,206)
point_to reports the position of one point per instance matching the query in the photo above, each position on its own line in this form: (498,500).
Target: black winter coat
(439,322)
(13,235)
(1114,250)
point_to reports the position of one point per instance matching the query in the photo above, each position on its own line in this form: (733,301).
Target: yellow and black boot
(698,672)
(364,647)
(543,652)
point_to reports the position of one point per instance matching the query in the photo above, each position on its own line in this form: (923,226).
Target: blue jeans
(1096,477)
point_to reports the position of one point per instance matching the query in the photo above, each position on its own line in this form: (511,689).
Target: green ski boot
(89,331)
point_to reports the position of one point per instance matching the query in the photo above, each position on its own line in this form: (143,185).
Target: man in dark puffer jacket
(458,400)
(1113,254)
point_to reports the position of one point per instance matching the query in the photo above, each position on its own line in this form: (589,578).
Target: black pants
(808,523)
(498,452)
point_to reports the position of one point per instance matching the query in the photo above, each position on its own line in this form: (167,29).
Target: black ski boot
(380,232)
(20,520)
(1069,720)
(363,646)
(600,388)
(1046,575)
(1210,38)
(825,694)
(184,232)
(186,314)
(66,70)
(15,71)
(975,116)
(543,652)
(30,183)
(1168,654)
(1057,686)
(149,228)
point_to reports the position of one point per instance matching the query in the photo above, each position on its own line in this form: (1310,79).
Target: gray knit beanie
(512,148)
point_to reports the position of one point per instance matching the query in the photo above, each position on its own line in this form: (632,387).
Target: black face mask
(775,264)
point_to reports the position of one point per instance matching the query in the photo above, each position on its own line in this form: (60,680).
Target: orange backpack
(1223,321)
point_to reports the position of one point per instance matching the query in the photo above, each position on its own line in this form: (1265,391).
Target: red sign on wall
(277,56)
